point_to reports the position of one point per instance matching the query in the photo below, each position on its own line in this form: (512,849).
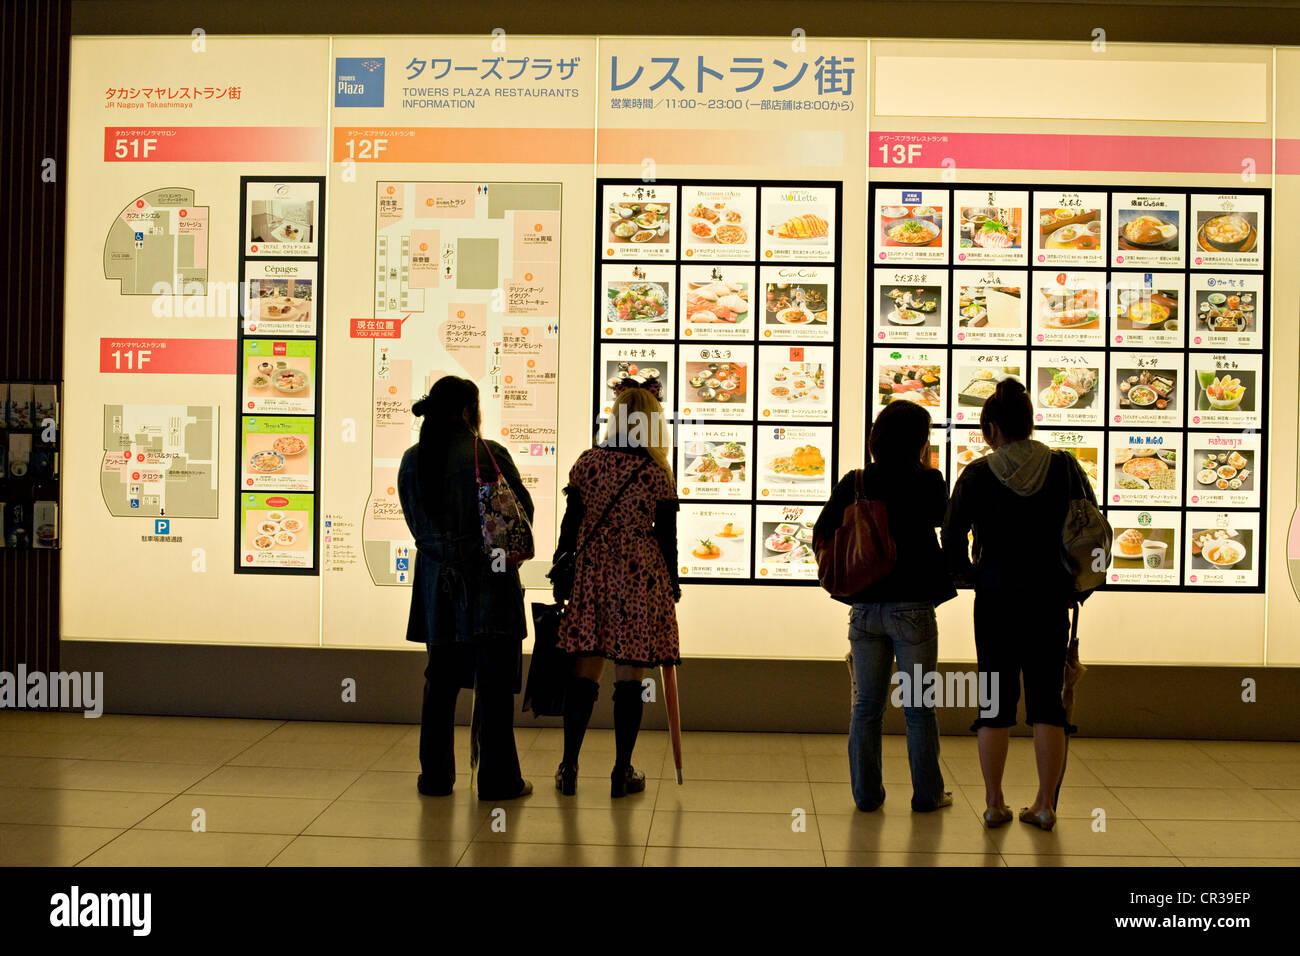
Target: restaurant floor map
(159,239)
(467,283)
(160,460)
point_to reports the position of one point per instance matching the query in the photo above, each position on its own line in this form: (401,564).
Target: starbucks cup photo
(1153,555)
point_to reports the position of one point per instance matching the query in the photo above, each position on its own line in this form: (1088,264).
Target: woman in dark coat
(467,607)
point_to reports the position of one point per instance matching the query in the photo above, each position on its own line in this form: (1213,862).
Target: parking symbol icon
(162,526)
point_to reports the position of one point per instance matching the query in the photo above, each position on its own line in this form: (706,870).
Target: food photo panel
(720,223)
(968,446)
(639,361)
(1146,389)
(276,530)
(783,542)
(1225,390)
(975,375)
(1145,550)
(1227,311)
(1146,309)
(912,225)
(797,224)
(795,383)
(281,219)
(1068,387)
(1223,549)
(910,306)
(1087,448)
(1147,230)
(637,302)
(717,382)
(1146,469)
(1070,229)
(991,227)
(638,221)
(716,302)
(798,303)
(989,306)
(793,462)
(280,298)
(1228,230)
(279,376)
(276,453)
(912,375)
(715,462)
(713,541)
(1069,308)
(1224,470)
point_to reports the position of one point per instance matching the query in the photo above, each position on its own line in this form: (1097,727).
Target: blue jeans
(877,633)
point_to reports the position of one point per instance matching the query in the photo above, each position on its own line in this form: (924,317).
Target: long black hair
(443,411)
(898,435)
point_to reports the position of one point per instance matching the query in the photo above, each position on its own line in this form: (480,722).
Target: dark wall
(34,38)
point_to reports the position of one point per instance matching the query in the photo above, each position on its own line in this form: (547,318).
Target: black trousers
(493,667)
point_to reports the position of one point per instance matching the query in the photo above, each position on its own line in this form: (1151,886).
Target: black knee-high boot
(628,707)
(579,698)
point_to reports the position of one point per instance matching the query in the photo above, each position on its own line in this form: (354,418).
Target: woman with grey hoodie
(1014,502)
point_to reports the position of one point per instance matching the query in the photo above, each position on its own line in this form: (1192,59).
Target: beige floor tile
(543,854)
(577,826)
(172,848)
(832,745)
(758,831)
(1234,751)
(236,814)
(702,742)
(130,775)
(276,782)
(862,858)
(739,767)
(1105,748)
(428,820)
(1076,803)
(725,856)
(27,743)
(1252,838)
(1044,859)
(204,728)
(322,756)
(1164,773)
(766,796)
(42,772)
(1190,803)
(405,756)
(893,769)
(27,845)
(376,736)
(391,786)
(77,808)
(894,828)
(1266,775)
(1288,800)
(362,851)
(1077,838)
(1239,862)
(964,769)
(114,747)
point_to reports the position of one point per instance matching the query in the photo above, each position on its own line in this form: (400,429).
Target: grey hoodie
(1021,465)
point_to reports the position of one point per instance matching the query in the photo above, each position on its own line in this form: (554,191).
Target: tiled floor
(132,791)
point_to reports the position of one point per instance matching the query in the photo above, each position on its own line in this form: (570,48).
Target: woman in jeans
(466,606)
(625,586)
(1015,502)
(895,616)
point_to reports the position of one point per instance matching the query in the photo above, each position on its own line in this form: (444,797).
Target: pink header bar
(215,144)
(1065,151)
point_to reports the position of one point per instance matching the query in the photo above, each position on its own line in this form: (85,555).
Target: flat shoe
(994,817)
(1044,819)
(944,801)
(523,791)
(429,791)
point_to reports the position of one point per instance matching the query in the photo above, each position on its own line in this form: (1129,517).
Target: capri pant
(1017,632)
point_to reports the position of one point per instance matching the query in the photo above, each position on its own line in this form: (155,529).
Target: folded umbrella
(674,716)
(1074,670)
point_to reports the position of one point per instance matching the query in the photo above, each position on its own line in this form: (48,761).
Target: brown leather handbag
(862,551)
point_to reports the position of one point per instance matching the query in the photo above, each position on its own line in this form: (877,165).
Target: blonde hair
(637,420)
